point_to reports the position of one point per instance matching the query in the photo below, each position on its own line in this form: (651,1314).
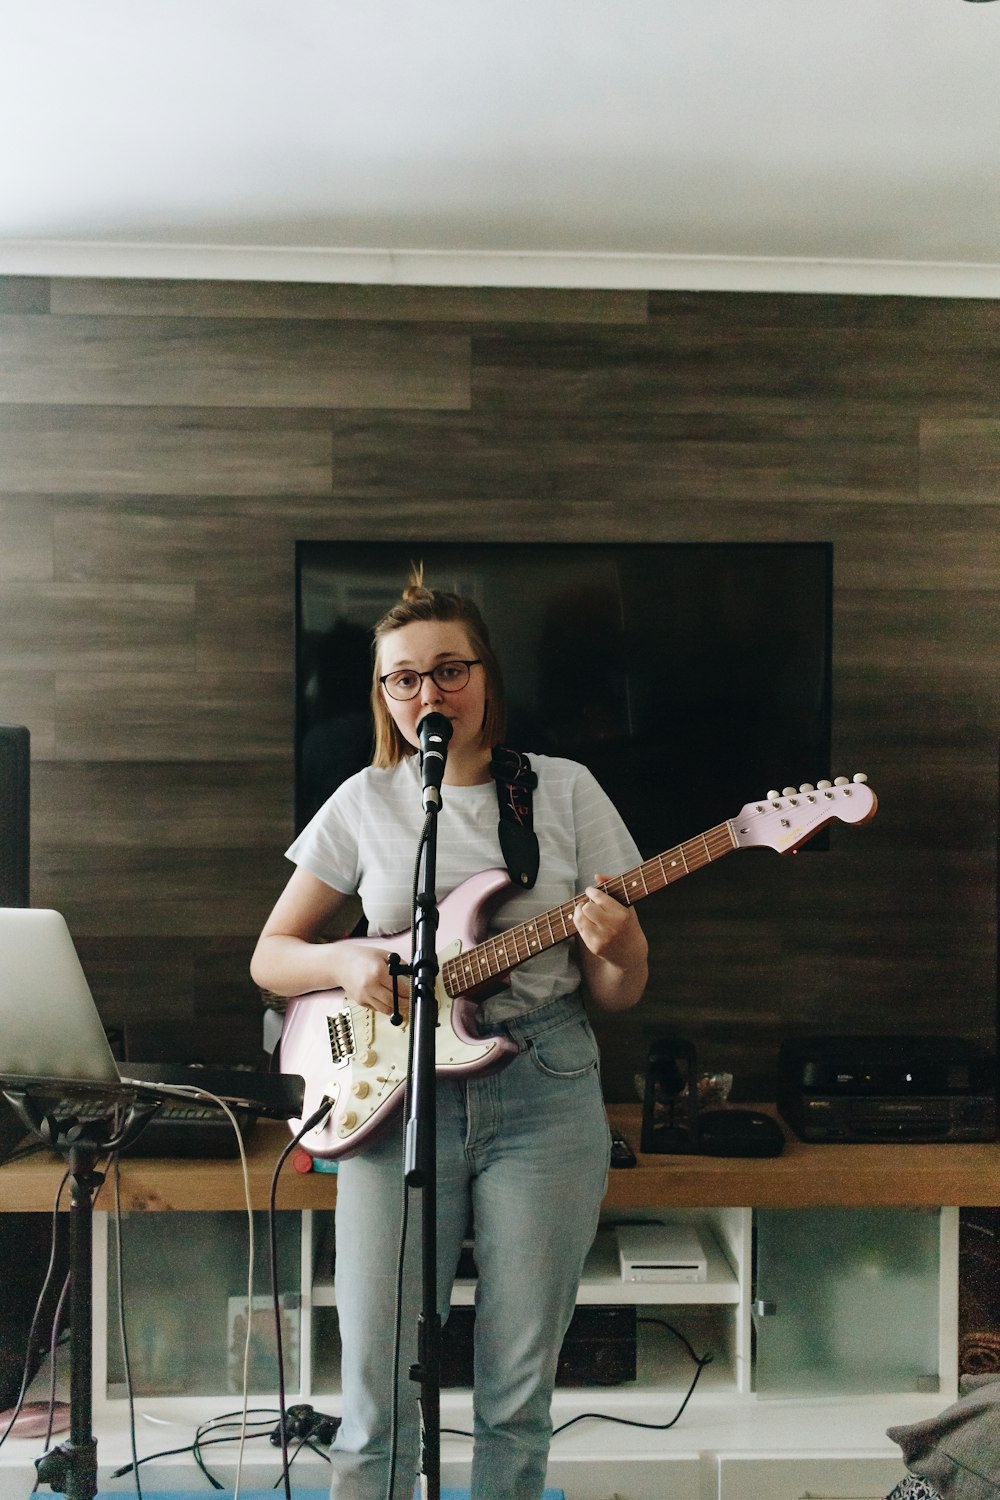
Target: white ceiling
(804,144)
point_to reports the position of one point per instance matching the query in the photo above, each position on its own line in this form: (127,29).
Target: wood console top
(802,1177)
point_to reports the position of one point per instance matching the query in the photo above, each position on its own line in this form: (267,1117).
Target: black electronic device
(622,1154)
(887,1088)
(599,1347)
(181,1128)
(618,655)
(739,1132)
(15,799)
(275,1096)
(190,1127)
(303,1424)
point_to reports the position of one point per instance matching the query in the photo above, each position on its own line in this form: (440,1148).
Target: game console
(661,1253)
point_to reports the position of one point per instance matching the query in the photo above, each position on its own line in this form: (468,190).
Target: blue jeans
(524,1153)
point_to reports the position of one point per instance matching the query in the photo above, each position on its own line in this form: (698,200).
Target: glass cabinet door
(846,1300)
(185,1285)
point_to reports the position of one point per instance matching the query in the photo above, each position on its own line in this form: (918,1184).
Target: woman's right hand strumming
(364,976)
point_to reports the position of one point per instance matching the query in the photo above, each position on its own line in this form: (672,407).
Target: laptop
(53,1044)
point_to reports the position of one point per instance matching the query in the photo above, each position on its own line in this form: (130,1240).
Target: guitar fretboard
(492,959)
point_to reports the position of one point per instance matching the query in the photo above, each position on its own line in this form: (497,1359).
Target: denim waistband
(522,1029)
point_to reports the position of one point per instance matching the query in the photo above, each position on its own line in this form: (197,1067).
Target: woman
(523,1152)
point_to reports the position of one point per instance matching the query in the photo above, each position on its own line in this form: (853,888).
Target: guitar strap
(515,782)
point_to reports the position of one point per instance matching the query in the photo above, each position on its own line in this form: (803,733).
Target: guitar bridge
(341,1029)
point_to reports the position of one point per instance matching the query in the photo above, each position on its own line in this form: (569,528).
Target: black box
(599,1347)
(887,1088)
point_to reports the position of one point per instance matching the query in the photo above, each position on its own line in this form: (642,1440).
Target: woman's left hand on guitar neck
(612,948)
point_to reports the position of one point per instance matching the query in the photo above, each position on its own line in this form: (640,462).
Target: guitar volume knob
(361,1090)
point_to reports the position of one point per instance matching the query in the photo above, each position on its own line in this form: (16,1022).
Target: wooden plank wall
(164,444)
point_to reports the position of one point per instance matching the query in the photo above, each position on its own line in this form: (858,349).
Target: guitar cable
(36,1318)
(316,1118)
(192,1092)
(122,1333)
(700,1360)
(397,1342)
(195,1449)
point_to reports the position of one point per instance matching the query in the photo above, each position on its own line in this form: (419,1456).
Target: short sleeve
(329,846)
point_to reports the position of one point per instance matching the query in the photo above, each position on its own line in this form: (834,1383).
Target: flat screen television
(690,677)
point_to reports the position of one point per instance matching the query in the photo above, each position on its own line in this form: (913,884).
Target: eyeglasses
(450,677)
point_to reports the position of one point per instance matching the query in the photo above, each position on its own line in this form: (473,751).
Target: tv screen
(690,677)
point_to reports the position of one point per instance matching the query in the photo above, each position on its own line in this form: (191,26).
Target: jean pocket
(567,1051)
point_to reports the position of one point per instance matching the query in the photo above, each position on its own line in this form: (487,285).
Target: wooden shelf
(804,1176)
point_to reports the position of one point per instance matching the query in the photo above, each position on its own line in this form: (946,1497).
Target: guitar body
(356,1056)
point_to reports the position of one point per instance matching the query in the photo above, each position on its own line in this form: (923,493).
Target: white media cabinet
(830,1310)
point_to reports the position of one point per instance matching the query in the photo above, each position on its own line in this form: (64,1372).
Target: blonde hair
(421,603)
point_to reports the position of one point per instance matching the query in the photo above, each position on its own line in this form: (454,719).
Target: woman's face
(422,645)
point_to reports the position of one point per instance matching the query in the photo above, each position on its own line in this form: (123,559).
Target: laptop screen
(50,1028)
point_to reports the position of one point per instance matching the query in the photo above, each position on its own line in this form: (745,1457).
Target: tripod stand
(71,1467)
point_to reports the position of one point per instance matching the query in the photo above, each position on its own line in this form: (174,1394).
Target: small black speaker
(15,757)
(15,745)
(739,1132)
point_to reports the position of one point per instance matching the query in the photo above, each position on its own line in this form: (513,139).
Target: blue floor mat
(278,1494)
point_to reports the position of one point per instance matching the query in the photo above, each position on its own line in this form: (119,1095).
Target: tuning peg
(823,786)
(772,796)
(807,786)
(841,781)
(861,778)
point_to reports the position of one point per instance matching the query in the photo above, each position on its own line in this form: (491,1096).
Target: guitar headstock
(787,819)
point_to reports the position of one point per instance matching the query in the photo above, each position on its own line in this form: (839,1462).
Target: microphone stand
(420,1148)
(420,1132)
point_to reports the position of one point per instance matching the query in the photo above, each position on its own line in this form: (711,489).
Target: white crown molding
(500,268)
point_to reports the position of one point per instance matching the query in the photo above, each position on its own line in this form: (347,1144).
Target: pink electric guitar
(356,1057)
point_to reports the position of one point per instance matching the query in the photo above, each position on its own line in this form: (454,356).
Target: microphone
(433,732)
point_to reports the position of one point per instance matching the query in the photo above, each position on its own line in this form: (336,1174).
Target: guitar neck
(494,958)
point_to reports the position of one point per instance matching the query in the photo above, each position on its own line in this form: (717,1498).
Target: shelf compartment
(602,1282)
